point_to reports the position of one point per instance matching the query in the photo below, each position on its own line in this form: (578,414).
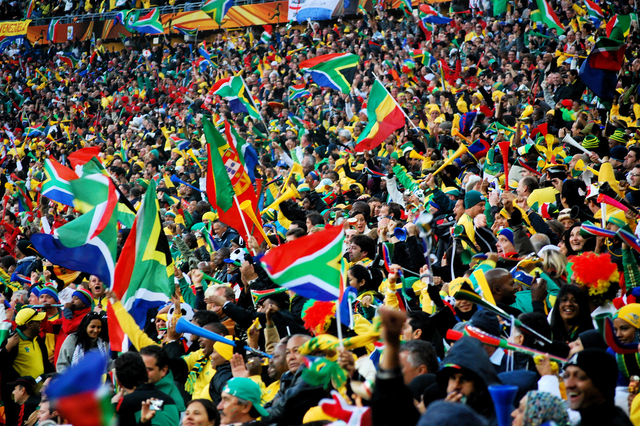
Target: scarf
(195,371)
(78,352)
(544,407)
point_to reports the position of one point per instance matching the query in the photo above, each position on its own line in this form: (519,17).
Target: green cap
(472,198)
(248,390)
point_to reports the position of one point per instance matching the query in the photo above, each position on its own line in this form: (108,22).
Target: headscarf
(544,407)
(631,314)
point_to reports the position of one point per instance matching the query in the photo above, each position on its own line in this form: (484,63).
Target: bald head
(502,285)
(539,240)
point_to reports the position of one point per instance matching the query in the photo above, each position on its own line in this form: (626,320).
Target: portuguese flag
(549,17)
(309,266)
(385,116)
(335,70)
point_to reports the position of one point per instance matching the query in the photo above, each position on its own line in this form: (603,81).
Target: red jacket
(68,326)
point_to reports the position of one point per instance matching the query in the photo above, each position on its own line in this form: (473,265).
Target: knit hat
(631,314)
(472,198)
(36,290)
(617,218)
(50,291)
(84,295)
(618,153)
(26,248)
(225,351)
(508,234)
(590,142)
(600,367)
(487,321)
(619,136)
(592,339)
(451,190)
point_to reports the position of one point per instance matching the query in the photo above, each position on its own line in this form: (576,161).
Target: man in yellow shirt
(473,205)
(277,367)
(22,354)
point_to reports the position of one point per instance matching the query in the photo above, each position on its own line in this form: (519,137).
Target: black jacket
(286,323)
(220,379)
(471,358)
(131,404)
(605,414)
(293,400)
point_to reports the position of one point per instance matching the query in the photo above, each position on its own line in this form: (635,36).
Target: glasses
(634,175)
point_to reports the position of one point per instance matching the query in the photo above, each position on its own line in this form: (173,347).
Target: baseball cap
(27,315)
(248,390)
(27,382)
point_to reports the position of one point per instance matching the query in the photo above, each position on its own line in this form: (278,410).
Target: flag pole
(244,222)
(339,323)
(244,83)
(396,102)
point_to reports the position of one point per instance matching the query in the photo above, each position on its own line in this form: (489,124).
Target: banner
(303,10)
(247,15)
(14,28)
(12,32)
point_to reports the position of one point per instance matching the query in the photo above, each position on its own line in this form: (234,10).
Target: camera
(156,405)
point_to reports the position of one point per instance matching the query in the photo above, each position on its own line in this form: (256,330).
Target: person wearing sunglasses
(23,354)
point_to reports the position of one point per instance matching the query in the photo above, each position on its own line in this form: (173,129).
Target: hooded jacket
(469,357)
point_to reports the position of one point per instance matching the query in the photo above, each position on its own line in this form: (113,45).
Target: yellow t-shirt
(29,359)
(270,392)
(201,386)
(467,222)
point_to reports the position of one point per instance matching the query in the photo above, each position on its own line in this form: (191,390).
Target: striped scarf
(195,371)
(78,352)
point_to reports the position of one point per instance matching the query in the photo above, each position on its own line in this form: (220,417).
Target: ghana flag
(309,266)
(385,116)
(335,70)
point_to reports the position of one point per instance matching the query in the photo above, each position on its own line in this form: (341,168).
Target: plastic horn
(602,198)
(291,192)
(456,132)
(176,179)
(467,256)
(571,141)
(606,189)
(503,396)
(248,209)
(414,154)
(400,234)
(296,168)
(581,167)
(42,306)
(571,55)
(504,149)
(210,278)
(184,326)
(490,340)
(463,149)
